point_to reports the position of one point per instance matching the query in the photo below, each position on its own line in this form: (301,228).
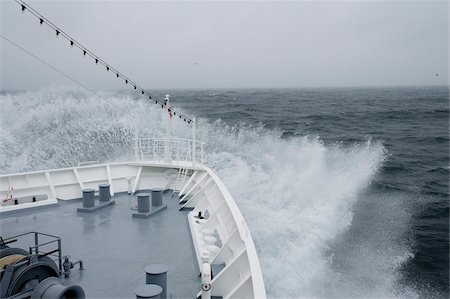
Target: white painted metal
(194,175)
(88,163)
(49,201)
(168,139)
(179,182)
(170,176)
(242,275)
(50,184)
(183,179)
(179,149)
(77,175)
(108,173)
(240,278)
(197,197)
(136,180)
(206,281)
(194,137)
(197,183)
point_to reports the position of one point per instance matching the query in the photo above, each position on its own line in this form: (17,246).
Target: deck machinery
(36,273)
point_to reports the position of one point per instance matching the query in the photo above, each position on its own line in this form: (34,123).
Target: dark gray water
(412,124)
(345,189)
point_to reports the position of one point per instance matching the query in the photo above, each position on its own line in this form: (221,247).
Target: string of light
(64,74)
(86,52)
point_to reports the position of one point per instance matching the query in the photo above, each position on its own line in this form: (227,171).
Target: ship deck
(114,246)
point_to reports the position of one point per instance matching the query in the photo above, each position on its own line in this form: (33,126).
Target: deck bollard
(89,202)
(143,203)
(157,274)
(88,198)
(103,192)
(148,291)
(157,195)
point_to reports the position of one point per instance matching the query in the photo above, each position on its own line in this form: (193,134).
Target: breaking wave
(318,231)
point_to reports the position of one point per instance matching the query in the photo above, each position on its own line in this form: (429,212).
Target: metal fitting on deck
(67,265)
(206,281)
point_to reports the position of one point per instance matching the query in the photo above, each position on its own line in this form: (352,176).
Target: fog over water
(231,44)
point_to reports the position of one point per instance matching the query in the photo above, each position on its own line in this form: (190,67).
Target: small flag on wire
(164,104)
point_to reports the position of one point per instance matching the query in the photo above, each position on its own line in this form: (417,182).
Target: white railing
(241,276)
(173,149)
(88,163)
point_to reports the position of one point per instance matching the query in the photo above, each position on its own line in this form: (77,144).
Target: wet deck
(115,247)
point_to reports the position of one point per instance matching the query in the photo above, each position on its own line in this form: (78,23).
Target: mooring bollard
(89,202)
(143,203)
(104,193)
(157,196)
(148,291)
(157,274)
(88,198)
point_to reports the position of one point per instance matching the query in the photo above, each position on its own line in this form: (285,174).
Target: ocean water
(345,190)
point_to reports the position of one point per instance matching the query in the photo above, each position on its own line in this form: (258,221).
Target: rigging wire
(64,74)
(108,67)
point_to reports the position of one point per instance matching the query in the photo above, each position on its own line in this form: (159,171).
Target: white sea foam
(298,195)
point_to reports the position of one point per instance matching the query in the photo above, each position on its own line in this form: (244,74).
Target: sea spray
(62,127)
(297,195)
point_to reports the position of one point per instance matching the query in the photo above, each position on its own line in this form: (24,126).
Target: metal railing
(88,163)
(169,149)
(54,253)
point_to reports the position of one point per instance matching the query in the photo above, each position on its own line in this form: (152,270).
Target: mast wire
(98,60)
(63,74)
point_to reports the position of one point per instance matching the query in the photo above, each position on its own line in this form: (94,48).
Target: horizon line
(230,87)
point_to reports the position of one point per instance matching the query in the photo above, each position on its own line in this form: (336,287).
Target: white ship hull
(199,189)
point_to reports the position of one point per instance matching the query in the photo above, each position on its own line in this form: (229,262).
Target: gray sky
(230,44)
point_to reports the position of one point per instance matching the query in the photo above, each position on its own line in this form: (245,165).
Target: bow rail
(169,149)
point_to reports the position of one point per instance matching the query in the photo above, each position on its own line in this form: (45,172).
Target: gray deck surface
(115,247)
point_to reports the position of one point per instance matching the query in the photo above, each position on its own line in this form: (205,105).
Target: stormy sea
(345,190)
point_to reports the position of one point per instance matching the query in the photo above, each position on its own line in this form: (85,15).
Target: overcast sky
(230,44)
